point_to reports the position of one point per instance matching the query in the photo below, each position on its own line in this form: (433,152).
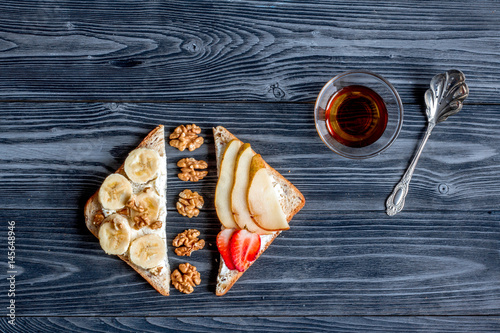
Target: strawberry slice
(244,247)
(223,245)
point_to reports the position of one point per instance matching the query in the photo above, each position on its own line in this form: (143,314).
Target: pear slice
(239,203)
(225,185)
(263,201)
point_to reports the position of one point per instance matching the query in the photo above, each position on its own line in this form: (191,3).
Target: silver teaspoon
(444,98)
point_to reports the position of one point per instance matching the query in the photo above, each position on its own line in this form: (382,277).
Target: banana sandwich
(128,212)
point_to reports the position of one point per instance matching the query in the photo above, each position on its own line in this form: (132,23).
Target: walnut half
(187,242)
(98,218)
(186,136)
(185,278)
(189,203)
(156,270)
(188,169)
(141,220)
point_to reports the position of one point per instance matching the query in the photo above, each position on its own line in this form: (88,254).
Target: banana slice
(142,165)
(115,191)
(147,251)
(148,204)
(114,234)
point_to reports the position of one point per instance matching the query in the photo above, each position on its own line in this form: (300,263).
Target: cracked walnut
(189,203)
(187,242)
(188,169)
(185,278)
(186,136)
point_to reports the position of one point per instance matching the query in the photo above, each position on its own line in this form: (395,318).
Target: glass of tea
(358,114)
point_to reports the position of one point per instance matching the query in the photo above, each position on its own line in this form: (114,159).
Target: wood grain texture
(448,324)
(81,83)
(327,264)
(245,50)
(55,155)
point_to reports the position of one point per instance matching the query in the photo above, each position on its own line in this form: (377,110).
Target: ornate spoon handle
(396,200)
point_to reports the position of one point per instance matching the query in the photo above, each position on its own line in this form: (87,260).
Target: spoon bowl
(445,96)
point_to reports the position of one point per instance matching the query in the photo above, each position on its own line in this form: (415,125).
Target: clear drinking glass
(374,82)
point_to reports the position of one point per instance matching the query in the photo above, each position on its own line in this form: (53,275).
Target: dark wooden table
(81,82)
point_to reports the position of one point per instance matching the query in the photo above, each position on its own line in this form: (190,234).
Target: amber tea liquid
(356,116)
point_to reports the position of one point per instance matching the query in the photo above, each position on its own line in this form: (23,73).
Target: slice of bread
(158,278)
(291,201)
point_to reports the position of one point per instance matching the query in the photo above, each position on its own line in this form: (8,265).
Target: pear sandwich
(254,203)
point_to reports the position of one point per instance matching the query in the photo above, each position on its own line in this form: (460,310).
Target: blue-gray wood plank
(329,263)
(69,148)
(385,324)
(245,50)
(81,83)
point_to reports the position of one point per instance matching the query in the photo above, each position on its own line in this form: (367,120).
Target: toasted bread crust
(221,138)
(161,282)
